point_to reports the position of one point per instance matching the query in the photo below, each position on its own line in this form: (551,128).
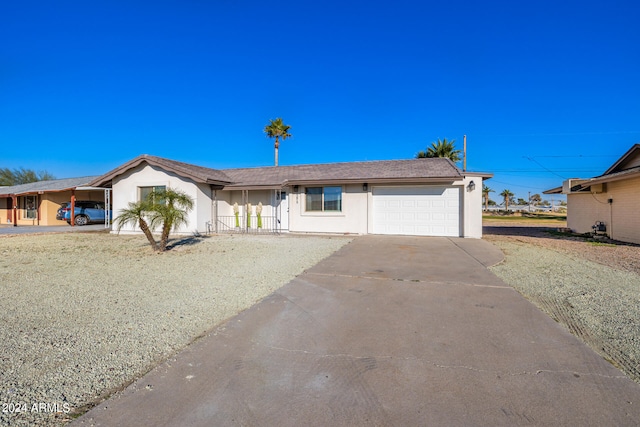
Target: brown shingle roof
(436,168)
(187,170)
(416,170)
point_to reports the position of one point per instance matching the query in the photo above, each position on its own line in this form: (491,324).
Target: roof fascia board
(617,177)
(251,187)
(444,179)
(108,177)
(622,159)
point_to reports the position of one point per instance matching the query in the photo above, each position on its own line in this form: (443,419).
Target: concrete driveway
(387,331)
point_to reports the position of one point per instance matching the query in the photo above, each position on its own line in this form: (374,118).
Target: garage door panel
(423,211)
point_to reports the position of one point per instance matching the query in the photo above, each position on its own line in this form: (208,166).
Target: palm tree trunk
(277,145)
(164,238)
(145,229)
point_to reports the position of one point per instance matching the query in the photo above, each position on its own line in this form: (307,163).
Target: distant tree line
(22,176)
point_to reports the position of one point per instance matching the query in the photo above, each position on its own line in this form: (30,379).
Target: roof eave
(622,159)
(555,190)
(611,178)
(108,178)
(373,180)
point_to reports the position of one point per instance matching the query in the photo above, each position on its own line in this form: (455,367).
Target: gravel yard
(592,288)
(84,314)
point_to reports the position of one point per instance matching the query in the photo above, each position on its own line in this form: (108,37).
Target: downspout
(214,208)
(610,218)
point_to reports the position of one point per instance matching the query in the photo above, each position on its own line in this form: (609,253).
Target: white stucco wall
(356,216)
(352,219)
(472,208)
(126,189)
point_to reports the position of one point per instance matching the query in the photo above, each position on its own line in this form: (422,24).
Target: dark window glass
(314,198)
(324,199)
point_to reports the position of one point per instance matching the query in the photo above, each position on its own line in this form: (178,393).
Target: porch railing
(227,224)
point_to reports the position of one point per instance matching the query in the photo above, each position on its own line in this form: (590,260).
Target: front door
(282,210)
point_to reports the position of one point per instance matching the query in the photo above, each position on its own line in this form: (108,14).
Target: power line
(543,167)
(621,132)
(579,155)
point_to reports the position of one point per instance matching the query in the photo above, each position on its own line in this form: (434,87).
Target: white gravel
(82,315)
(598,303)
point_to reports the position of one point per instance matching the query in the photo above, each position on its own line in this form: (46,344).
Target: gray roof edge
(49,185)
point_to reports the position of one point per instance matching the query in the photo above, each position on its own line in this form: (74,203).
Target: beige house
(612,198)
(37,203)
(427,197)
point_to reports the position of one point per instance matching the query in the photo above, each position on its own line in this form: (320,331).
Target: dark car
(85,212)
(63,206)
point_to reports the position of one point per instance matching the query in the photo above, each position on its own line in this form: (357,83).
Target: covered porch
(250,210)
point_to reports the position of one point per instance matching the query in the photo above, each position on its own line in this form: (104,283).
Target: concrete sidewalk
(386,331)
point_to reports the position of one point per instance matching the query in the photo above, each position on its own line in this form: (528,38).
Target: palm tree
(440,148)
(171,209)
(277,129)
(135,214)
(507,195)
(485,193)
(535,199)
(168,208)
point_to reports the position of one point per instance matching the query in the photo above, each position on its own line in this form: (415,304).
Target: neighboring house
(37,203)
(428,197)
(612,198)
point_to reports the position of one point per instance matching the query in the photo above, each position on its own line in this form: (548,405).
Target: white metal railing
(229,224)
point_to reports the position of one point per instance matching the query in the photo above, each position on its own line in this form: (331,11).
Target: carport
(37,203)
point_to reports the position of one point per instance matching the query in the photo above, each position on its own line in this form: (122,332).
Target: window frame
(30,213)
(153,189)
(334,197)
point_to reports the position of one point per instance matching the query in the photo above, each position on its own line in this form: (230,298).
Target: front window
(324,199)
(149,192)
(30,207)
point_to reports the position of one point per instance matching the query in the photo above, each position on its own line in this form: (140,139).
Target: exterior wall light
(365,187)
(471,186)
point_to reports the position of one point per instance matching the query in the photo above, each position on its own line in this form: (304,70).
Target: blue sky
(543,90)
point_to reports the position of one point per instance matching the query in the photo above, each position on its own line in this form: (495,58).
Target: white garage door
(416,211)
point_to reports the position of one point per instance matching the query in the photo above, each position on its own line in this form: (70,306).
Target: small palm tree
(168,208)
(507,196)
(485,193)
(440,148)
(171,208)
(278,130)
(135,215)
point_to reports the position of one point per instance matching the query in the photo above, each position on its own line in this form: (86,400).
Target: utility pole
(464,153)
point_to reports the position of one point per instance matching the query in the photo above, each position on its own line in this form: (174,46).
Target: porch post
(38,200)
(15,210)
(73,207)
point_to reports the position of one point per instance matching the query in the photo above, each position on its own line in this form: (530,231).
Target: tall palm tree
(135,215)
(508,196)
(485,193)
(440,148)
(171,208)
(278,130)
